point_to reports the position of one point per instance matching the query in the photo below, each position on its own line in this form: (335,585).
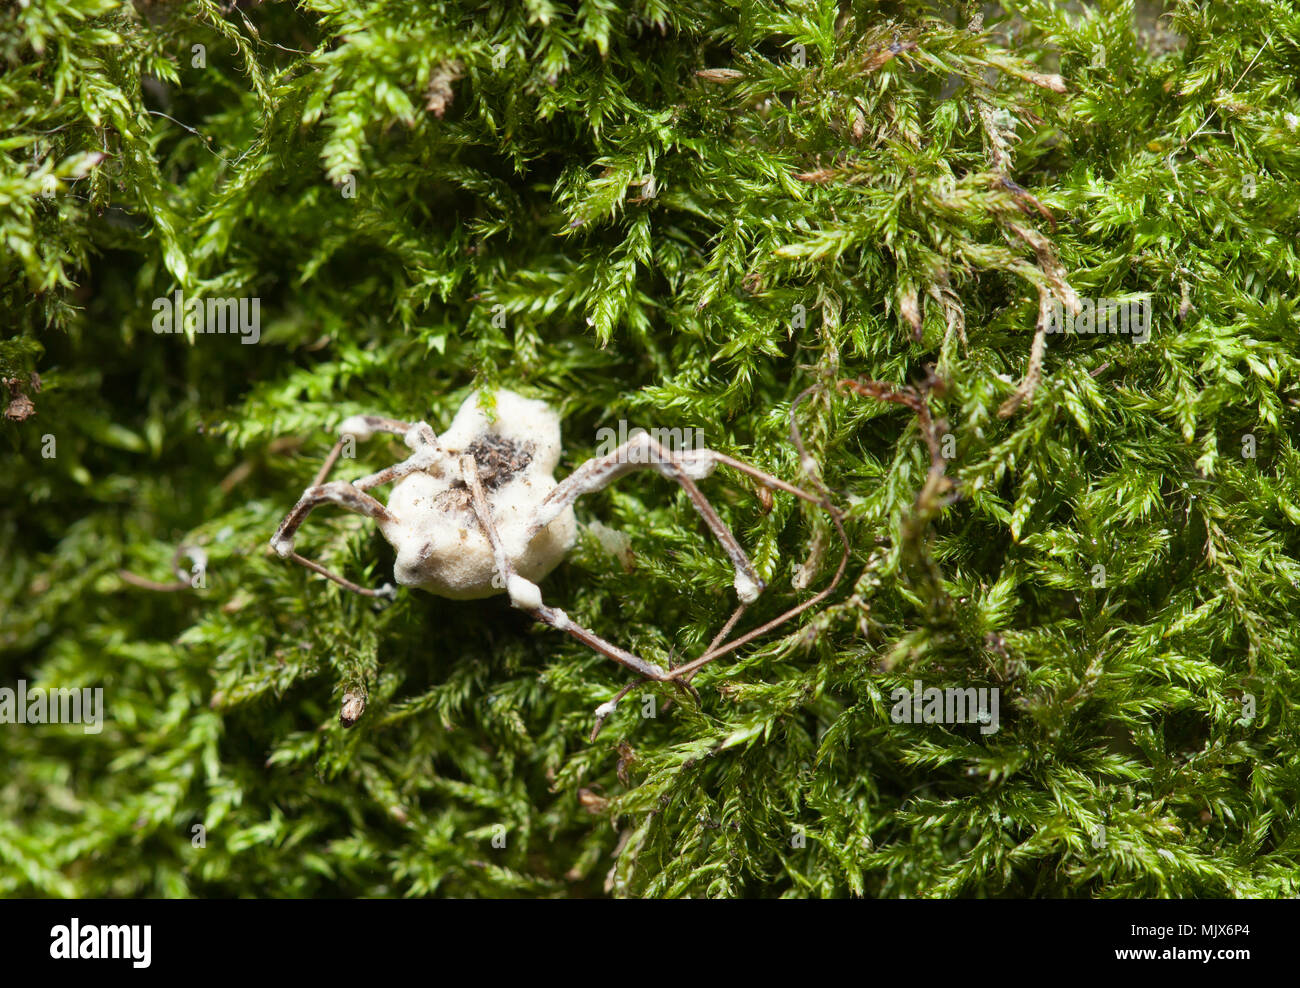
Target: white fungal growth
(548,513)
(441,547)
(524,594)
(746,589)
(560,621)
(697,464)
(356,426)
(604,710)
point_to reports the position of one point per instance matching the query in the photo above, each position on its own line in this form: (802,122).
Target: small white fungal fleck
(696,465)
(746,589)
(524,594)
(604,710)
(560,621)
(356,426)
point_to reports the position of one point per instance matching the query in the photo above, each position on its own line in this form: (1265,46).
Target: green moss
(427,198)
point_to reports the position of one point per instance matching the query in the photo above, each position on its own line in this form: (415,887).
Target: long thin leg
(351,495)
(346,496)
(685,680)
(716,650)
(644,452)
(719,638)
(527,596)
(426,454)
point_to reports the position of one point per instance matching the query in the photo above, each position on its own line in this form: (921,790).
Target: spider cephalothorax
(477,511)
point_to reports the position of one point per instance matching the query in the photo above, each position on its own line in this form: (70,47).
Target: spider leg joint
(697,463)
(421,438)
(605,709)
(524,594)
(746,588)
(356,426)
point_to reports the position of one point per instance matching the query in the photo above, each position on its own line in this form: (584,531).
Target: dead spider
(477,511)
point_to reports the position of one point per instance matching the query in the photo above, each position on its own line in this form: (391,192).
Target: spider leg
(642,452)
(605,709)
(426,453)
(526,596)
(346,496)
(351,495)
(717,650)
(718,639)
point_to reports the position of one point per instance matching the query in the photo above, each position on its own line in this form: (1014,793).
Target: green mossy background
(913,176)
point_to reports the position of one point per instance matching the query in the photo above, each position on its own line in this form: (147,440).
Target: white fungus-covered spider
(477,511)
